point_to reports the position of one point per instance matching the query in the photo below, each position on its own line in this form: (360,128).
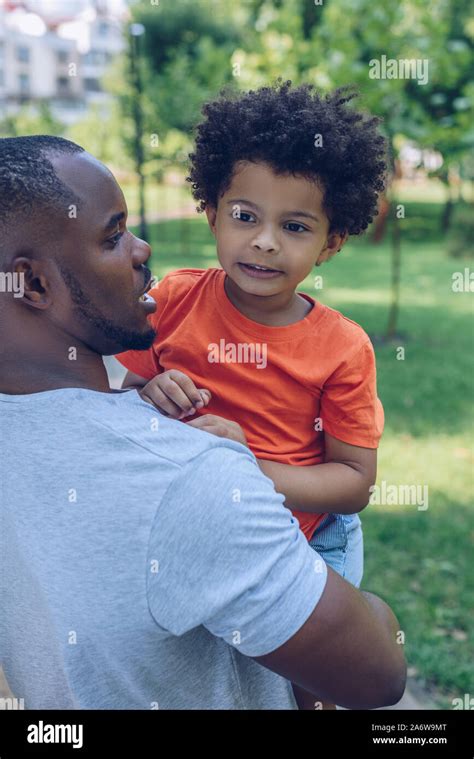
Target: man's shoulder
(125,415)
(114,424)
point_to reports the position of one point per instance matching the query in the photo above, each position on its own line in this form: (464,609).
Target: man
(144,563)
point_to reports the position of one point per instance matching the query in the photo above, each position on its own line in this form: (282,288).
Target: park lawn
(420,560)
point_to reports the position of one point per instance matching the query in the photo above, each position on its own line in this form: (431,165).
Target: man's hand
(174,394)
(219,426)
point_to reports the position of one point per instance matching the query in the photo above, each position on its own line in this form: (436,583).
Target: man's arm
(132,380)
(346,652)
(240,563)
(341,485)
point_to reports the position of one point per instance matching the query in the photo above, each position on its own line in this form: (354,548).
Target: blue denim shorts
(340,543)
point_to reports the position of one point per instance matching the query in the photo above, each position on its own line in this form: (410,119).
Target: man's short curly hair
(28,180)
(279,125)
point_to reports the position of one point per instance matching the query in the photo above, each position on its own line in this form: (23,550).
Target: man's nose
(266,240)
(141,252)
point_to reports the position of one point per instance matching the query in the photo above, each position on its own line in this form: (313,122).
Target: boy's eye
(243,216)
(294,226)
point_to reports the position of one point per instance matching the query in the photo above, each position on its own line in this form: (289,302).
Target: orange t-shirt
(281,384)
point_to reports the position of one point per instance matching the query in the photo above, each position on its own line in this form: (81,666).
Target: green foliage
(190,50)
(444,107)
(175,29)
(100,134)
(187,50)
(332,45)
(30,120)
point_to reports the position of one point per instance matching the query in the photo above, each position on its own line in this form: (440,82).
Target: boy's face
(271,230)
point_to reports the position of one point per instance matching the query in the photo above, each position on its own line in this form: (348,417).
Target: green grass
(420,562)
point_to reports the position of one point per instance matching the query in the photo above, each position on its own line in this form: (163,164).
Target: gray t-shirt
(142,562)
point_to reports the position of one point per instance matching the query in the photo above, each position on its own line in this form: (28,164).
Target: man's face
(273,221)
(102,265)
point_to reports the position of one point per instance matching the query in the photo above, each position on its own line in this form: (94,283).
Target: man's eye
(293,226)
(113,241)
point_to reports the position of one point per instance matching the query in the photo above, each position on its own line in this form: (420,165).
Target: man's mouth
(261,272)
(144,297)
(148,303)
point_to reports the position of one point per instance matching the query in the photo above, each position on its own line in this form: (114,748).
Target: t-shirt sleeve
(350,408)
(226,554)
(146,363)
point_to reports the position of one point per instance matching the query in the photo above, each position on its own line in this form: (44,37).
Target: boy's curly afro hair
(278,125)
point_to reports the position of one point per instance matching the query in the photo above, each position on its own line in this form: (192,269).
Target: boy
(284,177)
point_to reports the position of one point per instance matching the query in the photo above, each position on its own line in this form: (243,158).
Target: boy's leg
(354,564)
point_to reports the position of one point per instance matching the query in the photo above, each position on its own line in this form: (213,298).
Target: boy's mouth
(260,272)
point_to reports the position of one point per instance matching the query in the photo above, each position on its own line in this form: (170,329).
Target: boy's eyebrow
(304,214)
(244,200)
(114,220)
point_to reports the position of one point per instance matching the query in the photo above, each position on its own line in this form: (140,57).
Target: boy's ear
(211,214)
(334,244)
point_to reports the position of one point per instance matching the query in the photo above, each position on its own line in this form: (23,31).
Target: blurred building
(56,52)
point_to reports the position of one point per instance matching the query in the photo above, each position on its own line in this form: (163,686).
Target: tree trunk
(447,212)
(396,259)
(137,115)
(380,221)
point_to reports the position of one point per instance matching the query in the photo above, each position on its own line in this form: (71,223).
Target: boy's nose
(266,241)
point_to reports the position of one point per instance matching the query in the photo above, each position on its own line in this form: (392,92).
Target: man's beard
(124,339)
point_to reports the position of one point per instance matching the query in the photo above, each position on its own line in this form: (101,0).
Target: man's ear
(334,244)
(211,214)
(34,282)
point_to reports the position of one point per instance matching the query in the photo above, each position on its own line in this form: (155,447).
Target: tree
(443,109)
(187,50)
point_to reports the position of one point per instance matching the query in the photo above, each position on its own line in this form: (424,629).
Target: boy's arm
(341,485)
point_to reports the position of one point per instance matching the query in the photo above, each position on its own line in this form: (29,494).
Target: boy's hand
(175,394)
(217,425)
